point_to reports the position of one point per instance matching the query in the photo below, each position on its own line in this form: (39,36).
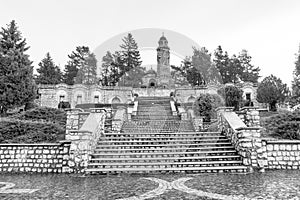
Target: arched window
(116,100)
(191,99)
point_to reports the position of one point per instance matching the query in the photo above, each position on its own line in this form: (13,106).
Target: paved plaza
(270,185)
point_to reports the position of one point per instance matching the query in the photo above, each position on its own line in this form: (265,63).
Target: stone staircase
(156,141)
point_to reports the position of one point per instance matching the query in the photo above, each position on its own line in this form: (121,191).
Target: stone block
(288,147)
(269,147)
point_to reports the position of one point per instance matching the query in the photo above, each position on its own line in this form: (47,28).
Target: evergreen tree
(272,91)
(295,97)
(133,78)
(87,74)
(49,73)
(17,87)
(129,54)
(106,69)
(249,73)
(77,60)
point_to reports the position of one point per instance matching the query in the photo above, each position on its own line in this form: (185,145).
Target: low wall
(283,154)
(41,158)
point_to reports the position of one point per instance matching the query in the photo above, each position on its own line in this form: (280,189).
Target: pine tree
(231,69)
(17,87)
(49,73)
(106,69)
(249,73)
(87,74)
(77,60)
(129,54)
(295,97)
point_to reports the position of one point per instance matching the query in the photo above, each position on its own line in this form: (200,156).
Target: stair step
(218,141)
(177,133)
(227,162)
(166,145)
(163,153)
(165,149)
(127,137)
(166,169)
(168,158)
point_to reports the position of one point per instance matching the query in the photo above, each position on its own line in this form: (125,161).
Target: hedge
(22,131)
(284,125)
(52,115)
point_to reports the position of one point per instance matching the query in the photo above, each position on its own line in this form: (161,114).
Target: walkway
(269,185)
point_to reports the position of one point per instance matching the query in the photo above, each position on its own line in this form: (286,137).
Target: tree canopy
(235,69)
(49,73)
(17,87)
(272,91)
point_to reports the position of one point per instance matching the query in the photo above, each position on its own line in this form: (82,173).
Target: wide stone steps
(163,149)
(171,169)
(183,137)
(163,154)
(176,158)
(157,141)
(144,146)
(191,134)
(221,163)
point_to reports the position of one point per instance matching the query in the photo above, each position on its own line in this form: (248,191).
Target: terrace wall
(41,158)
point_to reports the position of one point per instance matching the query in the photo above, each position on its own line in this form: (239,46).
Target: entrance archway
(152,83)
(116,100)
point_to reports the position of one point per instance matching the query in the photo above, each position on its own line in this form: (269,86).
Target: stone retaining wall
(41,158)
(283,154)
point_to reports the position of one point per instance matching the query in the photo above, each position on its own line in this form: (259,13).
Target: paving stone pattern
(271,185)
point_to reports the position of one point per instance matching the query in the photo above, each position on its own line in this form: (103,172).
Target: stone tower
(164,78)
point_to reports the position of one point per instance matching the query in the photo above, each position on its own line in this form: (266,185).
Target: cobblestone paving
(283,185)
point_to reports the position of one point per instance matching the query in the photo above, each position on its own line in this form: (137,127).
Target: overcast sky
(268,29)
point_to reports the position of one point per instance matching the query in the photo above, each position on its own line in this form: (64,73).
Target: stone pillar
(250,146)
(73,119)
(251,116)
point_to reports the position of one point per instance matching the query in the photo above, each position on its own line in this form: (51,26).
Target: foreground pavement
(269,185)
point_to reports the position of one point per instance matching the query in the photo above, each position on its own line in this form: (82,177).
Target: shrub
(233,96)
(43,114)
(285,125)
(206,104)
(21,131)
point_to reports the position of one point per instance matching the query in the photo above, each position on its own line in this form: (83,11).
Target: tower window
(79,99)
(96,99)
(61,98)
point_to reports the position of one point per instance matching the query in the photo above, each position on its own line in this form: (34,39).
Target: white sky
(268,29)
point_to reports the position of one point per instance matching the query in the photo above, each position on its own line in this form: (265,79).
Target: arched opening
(191,99)
(152,83)
(116,100)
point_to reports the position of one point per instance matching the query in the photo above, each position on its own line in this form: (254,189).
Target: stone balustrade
(84,140)
(40,158)
(173,108)
(118,119)
(246,140)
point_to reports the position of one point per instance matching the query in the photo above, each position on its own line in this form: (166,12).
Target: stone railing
(118,119)
(246,140)
(173,108)
(84,140)
(250,116)
(283,154)
(40,158)
(197,121)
